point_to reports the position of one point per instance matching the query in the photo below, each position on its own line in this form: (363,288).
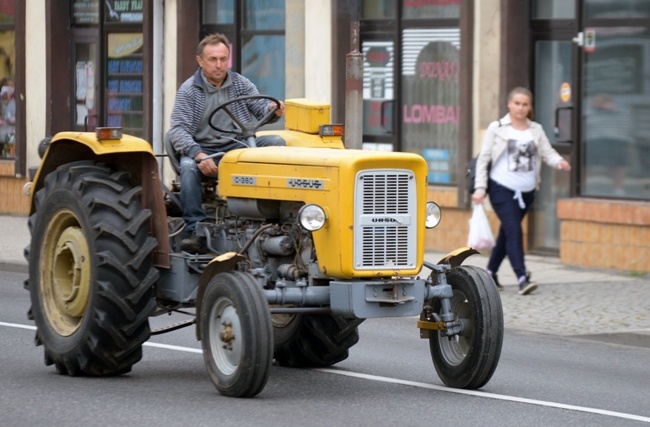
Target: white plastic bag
(480,234)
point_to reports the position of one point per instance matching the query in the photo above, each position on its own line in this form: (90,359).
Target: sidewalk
(593,304)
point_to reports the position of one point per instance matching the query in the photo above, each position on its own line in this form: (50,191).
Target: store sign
(590,40)
(123,44)
(565,92)
(124,10)
(438,161)
(85,11)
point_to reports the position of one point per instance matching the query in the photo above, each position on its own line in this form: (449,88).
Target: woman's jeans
(510,240)
(191,177)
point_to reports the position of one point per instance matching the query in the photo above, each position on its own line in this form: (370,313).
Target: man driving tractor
(193,131)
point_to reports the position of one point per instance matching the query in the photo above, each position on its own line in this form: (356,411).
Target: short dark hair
(526,92)
(215,38)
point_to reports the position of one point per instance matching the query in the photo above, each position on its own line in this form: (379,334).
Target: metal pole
(354,92)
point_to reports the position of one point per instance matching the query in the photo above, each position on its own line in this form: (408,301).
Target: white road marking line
(417,384)
(488,395)
(16,325)
(174,347)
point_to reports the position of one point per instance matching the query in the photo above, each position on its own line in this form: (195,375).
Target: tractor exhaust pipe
(354,91)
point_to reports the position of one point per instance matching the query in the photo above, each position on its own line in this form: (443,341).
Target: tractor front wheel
(236,334)
(469,359)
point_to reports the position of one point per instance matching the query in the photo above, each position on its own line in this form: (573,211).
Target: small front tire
(468,360)
(236,334)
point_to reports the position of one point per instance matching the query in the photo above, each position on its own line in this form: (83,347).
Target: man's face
(214,62)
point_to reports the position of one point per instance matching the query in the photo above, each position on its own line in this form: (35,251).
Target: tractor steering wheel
(246,130)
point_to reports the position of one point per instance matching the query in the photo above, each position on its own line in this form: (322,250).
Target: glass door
(86,87)
(378,92)
(556,88)
(555,92)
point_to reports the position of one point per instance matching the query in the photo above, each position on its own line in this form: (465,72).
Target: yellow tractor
(305,242)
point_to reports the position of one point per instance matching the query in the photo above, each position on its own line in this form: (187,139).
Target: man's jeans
(191,179)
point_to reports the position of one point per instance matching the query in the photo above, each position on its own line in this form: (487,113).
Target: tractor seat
(174,157)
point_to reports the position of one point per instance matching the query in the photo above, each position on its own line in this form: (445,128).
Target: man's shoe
(194,245)
(526,286)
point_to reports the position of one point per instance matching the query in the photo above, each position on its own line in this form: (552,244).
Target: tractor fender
(457,256)
(220,264)
(130,154)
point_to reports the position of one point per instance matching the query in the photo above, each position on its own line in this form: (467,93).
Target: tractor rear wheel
(314,340)
(469,359)
(91,275)
(236,334)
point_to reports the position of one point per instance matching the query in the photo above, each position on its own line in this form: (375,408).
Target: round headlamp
(312,217)
(434,215)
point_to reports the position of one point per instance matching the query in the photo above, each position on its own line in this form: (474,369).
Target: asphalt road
(388,380)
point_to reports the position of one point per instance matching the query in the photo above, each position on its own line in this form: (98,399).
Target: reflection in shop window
(378,86)
(263,63)
(7,73)
(431,9)
(616,107)
(264,15)
(617,8)
(554,9)
(218,12)
(430,110)
(378,9)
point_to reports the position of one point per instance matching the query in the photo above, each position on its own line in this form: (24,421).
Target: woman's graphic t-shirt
(515,168)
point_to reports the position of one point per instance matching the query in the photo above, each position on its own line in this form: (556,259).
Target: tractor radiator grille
(385,220)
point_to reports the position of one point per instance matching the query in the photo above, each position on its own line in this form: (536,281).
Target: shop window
(258,47)
(431,9)
(378,9)
(109,85)
(412,81)
(7,82)
(617,8)
(124,71)
(616,107)
(430,108)
(554,9)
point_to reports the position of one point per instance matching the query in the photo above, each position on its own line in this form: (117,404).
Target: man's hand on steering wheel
(247,130)
(280,111)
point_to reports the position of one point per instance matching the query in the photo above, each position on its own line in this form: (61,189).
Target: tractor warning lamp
(331,130)
(108,133)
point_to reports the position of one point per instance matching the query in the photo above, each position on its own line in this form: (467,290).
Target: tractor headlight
(312,217)
(434,214)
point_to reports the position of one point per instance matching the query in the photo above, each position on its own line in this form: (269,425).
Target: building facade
(436,73)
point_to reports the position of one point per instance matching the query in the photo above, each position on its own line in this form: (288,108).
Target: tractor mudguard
(457,256)
(129,154)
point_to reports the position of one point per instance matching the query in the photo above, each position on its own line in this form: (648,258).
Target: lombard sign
(430,111)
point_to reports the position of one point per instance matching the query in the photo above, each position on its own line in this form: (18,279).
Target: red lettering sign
(438,114)
(441,70)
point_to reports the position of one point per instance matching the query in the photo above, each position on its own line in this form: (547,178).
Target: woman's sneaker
(526,286)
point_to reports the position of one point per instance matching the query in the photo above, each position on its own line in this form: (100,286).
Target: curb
(14,267)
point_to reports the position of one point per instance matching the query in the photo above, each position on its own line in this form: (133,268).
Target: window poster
(85,11)
(123,11)
(124,68)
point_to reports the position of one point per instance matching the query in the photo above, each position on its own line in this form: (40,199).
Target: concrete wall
(35,78)
(487,42)
(295,49)
(318,50)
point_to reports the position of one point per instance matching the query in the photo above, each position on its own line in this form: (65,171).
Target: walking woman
(514,147)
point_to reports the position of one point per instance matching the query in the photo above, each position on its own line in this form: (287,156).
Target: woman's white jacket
(495,142)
